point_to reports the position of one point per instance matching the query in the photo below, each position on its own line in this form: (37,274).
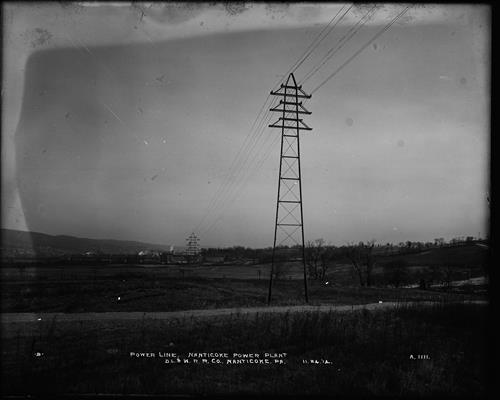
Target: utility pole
(289,224)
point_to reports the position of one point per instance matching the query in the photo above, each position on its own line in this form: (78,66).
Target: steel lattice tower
(289,225)
(193,248)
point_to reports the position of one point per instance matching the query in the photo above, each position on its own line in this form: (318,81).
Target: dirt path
(137,315)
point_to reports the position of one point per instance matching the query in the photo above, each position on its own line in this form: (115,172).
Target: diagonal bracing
(289,211)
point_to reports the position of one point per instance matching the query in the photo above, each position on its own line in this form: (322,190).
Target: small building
(149,257)
(176,259)
(213,260)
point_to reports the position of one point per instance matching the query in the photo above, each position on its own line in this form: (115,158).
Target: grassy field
(82,288)
(464,256)
(467,260)
(369,354)
(150,292)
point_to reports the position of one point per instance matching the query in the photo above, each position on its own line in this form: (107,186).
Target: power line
(233,195)
(259,165)
(314,44)
(340,43)
(235,190)
(239,165)
(236,164)
(233,165)
(361,49)
(307,53)
(238,189)
(225,187)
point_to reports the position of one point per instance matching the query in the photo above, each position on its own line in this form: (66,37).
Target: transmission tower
(289,225)
(193,248)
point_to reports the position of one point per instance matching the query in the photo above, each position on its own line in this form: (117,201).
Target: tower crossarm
(301,96)
(304,111)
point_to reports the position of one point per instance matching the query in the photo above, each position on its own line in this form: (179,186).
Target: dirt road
(218,312)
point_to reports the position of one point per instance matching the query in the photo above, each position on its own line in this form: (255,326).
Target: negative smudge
(39,37)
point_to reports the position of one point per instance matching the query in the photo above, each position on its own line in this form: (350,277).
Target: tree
(317,258)
(353,253)
(439,241)
(369,261)
(396,272)
(388,248)
(362,259)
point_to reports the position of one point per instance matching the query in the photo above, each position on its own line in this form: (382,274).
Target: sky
(136,121)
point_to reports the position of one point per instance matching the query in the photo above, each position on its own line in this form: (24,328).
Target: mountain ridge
(14,242)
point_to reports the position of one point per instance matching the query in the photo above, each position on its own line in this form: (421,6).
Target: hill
(473,254)
(15,243)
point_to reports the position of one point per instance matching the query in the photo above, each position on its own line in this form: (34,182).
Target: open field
(124,287)
(366,334)
(461,255)
(117,271)
(154,292)
(369,353)
(435,266)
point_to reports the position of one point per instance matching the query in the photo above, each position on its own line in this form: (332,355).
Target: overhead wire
(233,165)
(235,194)
(250,173)
(339,44)
(239,163)
(375,37)
(328,56)
(260,131)
(227,187)
(238,166)
(235,190)
(313,45)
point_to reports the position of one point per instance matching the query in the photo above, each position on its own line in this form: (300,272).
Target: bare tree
(362,259)
(369,260)
(327,258)
(313,252)
(317,259)
(353,253)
